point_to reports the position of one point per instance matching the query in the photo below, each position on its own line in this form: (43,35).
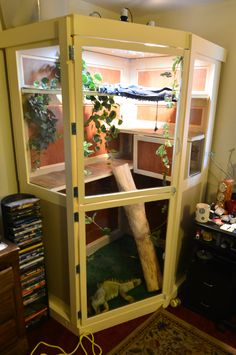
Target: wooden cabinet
(12,326)
(84,209)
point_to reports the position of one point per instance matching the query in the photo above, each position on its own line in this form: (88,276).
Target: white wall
(84,8)
(55,8)
(20,12)
(216,23)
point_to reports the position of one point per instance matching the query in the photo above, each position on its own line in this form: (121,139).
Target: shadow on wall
(186,242)
(16,13)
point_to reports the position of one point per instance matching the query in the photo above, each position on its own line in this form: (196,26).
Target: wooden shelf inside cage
(51,180)
(56,180)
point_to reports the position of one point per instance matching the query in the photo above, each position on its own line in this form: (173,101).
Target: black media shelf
(210,285)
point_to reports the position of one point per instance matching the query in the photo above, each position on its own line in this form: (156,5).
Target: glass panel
(120,258)
(130,103)
(39,70)
(200,108)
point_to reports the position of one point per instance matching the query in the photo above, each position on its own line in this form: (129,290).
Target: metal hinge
(77,268)
(73,128)
(76,191)
(173,190)
(71,52)
(79,314)
(76,216)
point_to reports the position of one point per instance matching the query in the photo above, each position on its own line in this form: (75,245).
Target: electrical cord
(156,118)
(131,15)
(80,343)
(95,14)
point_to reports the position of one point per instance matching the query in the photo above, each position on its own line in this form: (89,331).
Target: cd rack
(22,223)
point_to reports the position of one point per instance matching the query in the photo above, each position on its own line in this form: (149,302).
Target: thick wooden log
(140,228)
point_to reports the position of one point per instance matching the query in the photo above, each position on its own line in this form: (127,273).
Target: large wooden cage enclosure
(112,127)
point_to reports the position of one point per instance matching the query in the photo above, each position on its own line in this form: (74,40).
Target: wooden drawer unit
(210,286)
(7,306)
(209,289)
(12,328)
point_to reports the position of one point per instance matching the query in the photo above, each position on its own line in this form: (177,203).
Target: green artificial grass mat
(118,260)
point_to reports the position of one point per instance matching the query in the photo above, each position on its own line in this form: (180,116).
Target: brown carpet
(165,334)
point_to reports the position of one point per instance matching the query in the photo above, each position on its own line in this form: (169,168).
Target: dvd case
(22,222)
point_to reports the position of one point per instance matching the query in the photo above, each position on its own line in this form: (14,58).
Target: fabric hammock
(138,92)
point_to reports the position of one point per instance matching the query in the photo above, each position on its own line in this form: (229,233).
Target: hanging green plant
(46,84)
(87,152)
(91,220)
(176,65)
(90,82)
(103,112)
(38,115)
(44,121)
(170,101)
(53,83)
(103,115)
(57,69)
(162,150)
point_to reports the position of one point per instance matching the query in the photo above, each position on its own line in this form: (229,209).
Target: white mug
(202,212)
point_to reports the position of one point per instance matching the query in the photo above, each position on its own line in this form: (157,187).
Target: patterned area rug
(165,334)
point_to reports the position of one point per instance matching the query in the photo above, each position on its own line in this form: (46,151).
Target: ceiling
(143,7)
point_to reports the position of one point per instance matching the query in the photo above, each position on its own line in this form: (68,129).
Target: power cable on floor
(80,343)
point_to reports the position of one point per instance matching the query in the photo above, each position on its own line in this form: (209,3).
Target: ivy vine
(90,81)
(177,63)
(37,113)
(173,97)
(91,220)
(103,112)
(162,150)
